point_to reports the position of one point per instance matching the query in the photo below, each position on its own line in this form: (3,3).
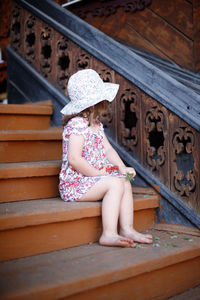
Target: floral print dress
(72,183)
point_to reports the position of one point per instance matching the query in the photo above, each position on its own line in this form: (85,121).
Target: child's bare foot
(116,240)
(136,236)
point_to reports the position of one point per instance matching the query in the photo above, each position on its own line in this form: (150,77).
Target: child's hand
(129,172)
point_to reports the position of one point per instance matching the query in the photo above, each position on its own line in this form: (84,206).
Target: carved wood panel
(75,59)
(156,139)
(83,61)
(63,61)
(107,75)
(30,37)
(16,27)
(129,116)
(184,153)
(108,7)
(46,55)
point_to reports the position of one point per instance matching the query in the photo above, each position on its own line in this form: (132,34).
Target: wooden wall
(167,28)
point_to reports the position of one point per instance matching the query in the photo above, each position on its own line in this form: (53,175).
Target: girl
(91,169)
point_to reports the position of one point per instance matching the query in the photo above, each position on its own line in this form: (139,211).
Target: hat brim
(108,93)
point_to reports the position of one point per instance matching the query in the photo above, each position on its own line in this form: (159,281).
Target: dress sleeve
(76,126)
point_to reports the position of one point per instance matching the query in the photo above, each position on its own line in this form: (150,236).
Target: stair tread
(53,133)
(29,169)
(34,212)
(41,103)
(66,272)
(30,109)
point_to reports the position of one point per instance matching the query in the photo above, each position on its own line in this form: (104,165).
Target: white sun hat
(85,89)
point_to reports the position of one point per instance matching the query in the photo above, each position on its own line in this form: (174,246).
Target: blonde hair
(98,110)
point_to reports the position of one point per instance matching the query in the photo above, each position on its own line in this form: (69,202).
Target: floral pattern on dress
(73,185)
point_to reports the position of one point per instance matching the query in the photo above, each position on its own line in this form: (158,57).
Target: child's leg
(126,217)
(111,190)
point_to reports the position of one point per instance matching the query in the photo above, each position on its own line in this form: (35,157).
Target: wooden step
(25,116)
(30,145)
(96,272)
(29,180)
(41,102)
(32,227)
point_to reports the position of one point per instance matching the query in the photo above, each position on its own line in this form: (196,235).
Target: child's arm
(76,160)
(115,159)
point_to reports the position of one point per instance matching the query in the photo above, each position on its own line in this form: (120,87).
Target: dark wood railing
(155,121)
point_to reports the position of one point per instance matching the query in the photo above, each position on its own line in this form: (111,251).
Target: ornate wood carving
(107,76)
(46,51)
(185,163)
(154,125)
(109,7)
(30,38)
(183,144)
(15,29)
(63,62)
(128,118)
(155,136)
(83,61)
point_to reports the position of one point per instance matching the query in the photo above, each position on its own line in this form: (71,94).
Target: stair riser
(17,151)
(24,122)
(144,219)
(43,238)
(159,284)
(17,189)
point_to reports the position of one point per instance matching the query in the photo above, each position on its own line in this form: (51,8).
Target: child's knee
(117,183)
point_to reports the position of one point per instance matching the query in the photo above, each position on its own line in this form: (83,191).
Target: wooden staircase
(49,249)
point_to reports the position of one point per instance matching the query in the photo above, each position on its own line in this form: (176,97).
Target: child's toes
(116,241)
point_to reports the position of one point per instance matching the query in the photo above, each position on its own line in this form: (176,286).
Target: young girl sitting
(91,169)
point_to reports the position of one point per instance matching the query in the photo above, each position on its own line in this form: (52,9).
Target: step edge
(41,103)
(150,202)
(144,190)
(31,135)
(91,282)
(52,217)
(30,169)
(172,227)
(40,172)
(25,109)
(129,272)
(14,221)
